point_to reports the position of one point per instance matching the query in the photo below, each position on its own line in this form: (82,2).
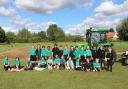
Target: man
(55,51)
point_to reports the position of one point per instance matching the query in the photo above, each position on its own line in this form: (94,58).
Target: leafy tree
(42,35)
(10,37)
(55,33)
(24,35)
(2,35)
(111,30)
(122,30)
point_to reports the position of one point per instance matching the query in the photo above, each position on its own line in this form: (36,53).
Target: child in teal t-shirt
(66,53)
(48,52)
(96,65)
(17,63)
(6,64)
(76,53)
(56,62)
(32,51)
(43,52)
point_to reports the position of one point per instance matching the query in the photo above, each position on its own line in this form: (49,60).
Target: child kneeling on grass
(78,67)
(41,65)
(6,64)
(56,62)
(96,65)
(88,66)
(50,63)
(69,64)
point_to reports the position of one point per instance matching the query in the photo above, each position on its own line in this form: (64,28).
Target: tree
(122,30)
(24,35)
(111,30)
(42,35)
(55,33)
(10,37)
(2,35)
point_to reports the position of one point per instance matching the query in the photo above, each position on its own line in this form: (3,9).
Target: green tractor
(98,37)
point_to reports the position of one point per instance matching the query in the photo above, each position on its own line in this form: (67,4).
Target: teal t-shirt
(49,52)
(43,61)
(76,54)
(57,60)
(77,63)
(88,52)
(96,65)
(43,52)
(32,52)
(65,51)
(5,61)
(17,62)
(82,52)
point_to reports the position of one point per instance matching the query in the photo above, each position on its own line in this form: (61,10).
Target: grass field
(61,79)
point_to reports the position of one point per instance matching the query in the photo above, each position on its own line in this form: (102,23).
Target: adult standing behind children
(110,59)
(55,50)
(101,56)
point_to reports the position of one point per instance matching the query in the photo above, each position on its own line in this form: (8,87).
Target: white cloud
(7,12)
(108,8)
(9,29)
(4,2)
(49,6)
(21,22)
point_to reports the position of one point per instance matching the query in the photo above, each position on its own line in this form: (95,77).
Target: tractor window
(97,37)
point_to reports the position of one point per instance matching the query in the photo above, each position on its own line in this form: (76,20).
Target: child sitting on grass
(41,65)
(69,64)
(78,67)
(62,63)
(88,66)
(29,64)
(96,65)
(56,62)
(50,63)
(6,64)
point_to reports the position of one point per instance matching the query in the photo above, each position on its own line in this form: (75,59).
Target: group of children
(65,59)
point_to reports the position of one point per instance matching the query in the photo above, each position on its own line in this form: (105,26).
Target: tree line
(53,33)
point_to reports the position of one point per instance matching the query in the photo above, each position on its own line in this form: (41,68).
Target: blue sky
(72,15)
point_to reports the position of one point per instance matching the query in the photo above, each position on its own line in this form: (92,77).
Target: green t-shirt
(76,54)
(43,61)
(57,60)
(82,52)
(49,52)
(88,53)
(77,63)
(43,52)
(65,51)
(32,52)
(5,61)
(96,65)
(17,62)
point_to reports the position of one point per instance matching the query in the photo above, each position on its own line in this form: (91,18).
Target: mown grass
(63,79)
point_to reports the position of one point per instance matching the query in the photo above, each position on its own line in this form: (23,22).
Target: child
(76,54)
(50,63)
(88,66)
(82,58)
(56,62)
(6,64)
(88,54)
(66,53)
(43,52)
(17,63)
(96,65)
(32,53)
(69,64)
(48,52)
(62,63)
(38,52)
(78,67)
(29,64)
(41,65)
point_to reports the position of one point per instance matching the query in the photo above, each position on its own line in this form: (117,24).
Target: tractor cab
(98,37)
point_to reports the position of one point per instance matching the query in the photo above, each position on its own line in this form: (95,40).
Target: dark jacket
(101,54)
